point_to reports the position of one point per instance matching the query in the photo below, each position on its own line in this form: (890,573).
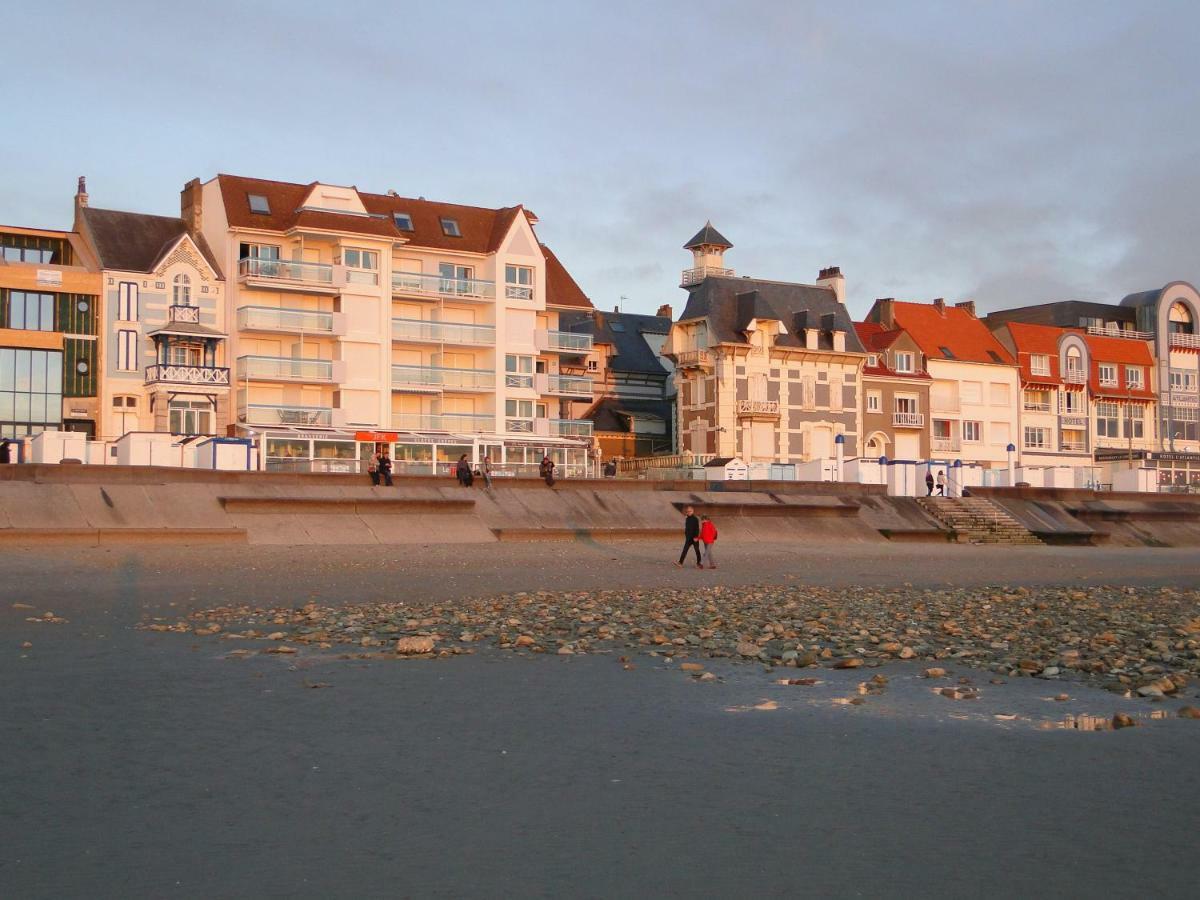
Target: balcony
(287,368)
(946,445)
(1105,331)
(417,285)
(281,275)
(693,359)
(520,426)
(1075,376)
(518,292)
(470,423)
(177,374)
(291,321)
(264,414)
(908,420)
(564,385)
(563,342)
(1072,446)
(695,276)
(434,379)
(1185,341)
(1034,406)
(569,427)
(518,380)
(188,315)
(757,408)
(427,332)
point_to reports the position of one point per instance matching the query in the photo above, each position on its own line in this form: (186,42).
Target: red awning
(379,437)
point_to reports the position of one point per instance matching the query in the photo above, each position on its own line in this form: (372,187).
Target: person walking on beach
(691,534)
(941,484)
(385,467)
(485,469)
(373,468)
(462,471)
(929,482)
(547,470)
(708,537)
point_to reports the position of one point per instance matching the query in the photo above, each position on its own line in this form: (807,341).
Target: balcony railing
(571,427)
(564,341)
(690,359)
(282,270)
(695,276)
(1075,376)
(188,314)
(757,407)
(568,385)
(1072,445)
(1120,333)
(1035,406)
(285,367)
(518,380)
(437,378)
(272,318)
(439,286)
(424,330)
(946,445)
(1187,341)
(472,423)
(176,374)
(266,414)
(908,420)
(520,426)
(518,291)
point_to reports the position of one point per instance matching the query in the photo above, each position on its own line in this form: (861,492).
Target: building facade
(766,371)
(49,354)
(895,394)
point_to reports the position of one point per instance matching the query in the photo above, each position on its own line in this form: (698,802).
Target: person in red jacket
(708,537)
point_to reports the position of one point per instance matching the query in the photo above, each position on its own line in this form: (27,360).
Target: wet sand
(145,764)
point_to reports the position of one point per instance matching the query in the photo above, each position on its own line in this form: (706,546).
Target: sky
(1010,153)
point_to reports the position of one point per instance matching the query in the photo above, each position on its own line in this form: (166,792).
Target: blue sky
(1008,152)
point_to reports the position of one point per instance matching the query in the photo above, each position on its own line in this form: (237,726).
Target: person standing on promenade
(462,471)
(929,482)
(708,537)
(547,470)
(485,469)
(691,533)
(373,467)
(385,467)
(941,484)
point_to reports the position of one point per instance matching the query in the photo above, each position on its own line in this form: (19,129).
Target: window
(1037,401)
(127,360)
(872,359)
(361,265)
(1107,419)
(28,255)
(258,251)
(127,302)
(995,357)
(941,430)
(972,432)
(450,228)
(181,291)
(518,371)
(1039,364)
(1090,322)
(1180,319)
(593,365)
(1133,377)
(403,221)
(998,434)
(518,281)
(259,204)
(126,402)
(1037,438)
(1134,421)
(907,405)
(30,311)
(456,279)
(904,362)
(1071,403)
(1108,374)
(999,394)
(30,390)
(971,392)
(190,416)
(874,401)
(946,353)
(1182,380)
(519,408)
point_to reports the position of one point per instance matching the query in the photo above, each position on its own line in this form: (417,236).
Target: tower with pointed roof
(708,248)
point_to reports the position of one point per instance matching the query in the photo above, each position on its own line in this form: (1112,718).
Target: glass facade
(30,390)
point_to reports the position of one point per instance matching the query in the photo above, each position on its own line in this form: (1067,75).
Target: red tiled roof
(1120,352)
(967,338)
(1041,340)
(876,339)
(561,288)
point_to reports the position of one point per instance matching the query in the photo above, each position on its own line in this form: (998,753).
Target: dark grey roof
(1142,298)
(719,461)
(135,242)
(614,413)
(708,235)
(187,329)
(633,353)
(1063,313)
(728,304)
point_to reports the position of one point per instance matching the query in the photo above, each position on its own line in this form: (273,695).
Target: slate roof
(953,329)
(613,413)
(1142,298)
(632,352)
(708,235)
(135,242)
(728,304)
(1063,313)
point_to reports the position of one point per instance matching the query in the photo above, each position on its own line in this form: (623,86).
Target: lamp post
(1012,476)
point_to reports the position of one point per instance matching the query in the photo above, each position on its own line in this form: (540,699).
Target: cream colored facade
(973,411)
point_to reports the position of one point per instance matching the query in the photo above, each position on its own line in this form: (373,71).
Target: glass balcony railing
(567,341)
(439,377)
(571,427)
(440,286)
(265,414)
(285,367)
(472,423)
(283,270)
(442,332)
(575,385)
(272,318)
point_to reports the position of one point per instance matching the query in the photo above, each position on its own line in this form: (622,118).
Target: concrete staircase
(977,520)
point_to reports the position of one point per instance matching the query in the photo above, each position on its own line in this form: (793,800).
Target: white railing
(908,420)
(1190,341)
(946,445)
(265,414)
(189,314)
(1075,376)
(1072,445)
(517,380)
(518,292)
(362,276)
(472,423)
(286,367)
(1184,400)
(695,276)
(440,286)
(568,341)
(176,374)
(282,270)
(692,358)
(1031,406)
(440,377)
(1107,331)
(521,426)
(571,385)
(272,318)
(757,407)
(442,332)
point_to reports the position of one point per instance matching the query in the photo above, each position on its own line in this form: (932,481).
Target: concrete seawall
(109,504)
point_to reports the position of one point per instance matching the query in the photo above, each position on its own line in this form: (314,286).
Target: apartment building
(975,383)
(162,324)
(632,408)
(895,393)
(767,371)
(49,355)
(358,318)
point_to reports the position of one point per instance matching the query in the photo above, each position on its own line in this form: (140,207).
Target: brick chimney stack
(191,207)
(665,311)
(831,277)
(968,305)
(940,305)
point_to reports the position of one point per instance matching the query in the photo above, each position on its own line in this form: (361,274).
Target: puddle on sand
(1084,722)
(764,706)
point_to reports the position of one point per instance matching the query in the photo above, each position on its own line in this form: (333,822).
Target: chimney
(885,312)
(968,305)
(191,206)
(833,279)
(940,305)
(665,311)
(81,197)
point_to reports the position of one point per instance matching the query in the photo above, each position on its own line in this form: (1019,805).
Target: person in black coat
(463,471)
(929,483)
(691,537)
(385,467)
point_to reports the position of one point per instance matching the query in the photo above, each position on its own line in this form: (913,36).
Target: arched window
(1181,319)
(182,291)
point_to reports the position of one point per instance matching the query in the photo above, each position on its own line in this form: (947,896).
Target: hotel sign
(49,277)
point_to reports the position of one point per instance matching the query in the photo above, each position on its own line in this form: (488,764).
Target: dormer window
(872,359)
(259,204)
(403,221)
(450,228)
